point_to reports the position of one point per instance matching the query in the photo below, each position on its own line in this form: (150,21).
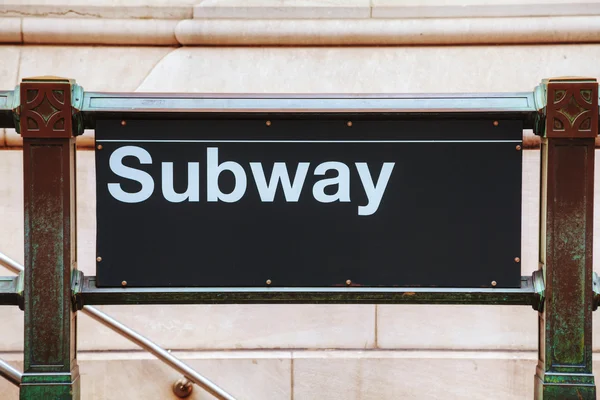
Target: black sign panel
(309,202)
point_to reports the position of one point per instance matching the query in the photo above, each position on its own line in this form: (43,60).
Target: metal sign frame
(50,112)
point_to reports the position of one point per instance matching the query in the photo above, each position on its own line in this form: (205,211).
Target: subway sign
(284,201)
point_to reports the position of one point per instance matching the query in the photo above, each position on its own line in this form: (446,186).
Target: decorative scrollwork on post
(46,110)
(572,109)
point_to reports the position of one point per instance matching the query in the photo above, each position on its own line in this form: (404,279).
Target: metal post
(564,369)
(46,125)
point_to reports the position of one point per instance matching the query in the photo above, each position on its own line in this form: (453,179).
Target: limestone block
(12,320)
(9,66)
(284,9)
(335,375)
(481,8)
(413,375)
(12,139)
(429,69)
(10,30)
(135,9)
(99,31)
(456,327)
(382,32)
(95,68)
(237,326)
(114,376)
(11,208)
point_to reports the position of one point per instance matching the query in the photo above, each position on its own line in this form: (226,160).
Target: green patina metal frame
(50,112)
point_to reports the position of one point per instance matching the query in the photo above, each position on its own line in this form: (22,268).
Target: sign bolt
(518,147)
(123,123)
(268,123)
(494,283)
(517,259)
(348,282)
(98,259)
(99,147)
(124,283)
(495,123)
(268,281)
(349,123)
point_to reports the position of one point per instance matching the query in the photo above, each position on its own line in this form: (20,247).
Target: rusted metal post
(46,125)
(564,369)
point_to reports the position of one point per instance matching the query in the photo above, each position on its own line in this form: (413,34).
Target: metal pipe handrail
(11,374)
(134,337)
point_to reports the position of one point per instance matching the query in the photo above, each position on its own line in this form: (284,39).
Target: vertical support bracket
(48,125)
(564,369)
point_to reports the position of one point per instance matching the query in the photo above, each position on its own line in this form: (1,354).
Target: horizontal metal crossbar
(164,105)
(527,294)
(96,105)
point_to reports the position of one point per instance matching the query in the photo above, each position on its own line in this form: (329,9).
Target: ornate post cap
(571,107)
(46,109)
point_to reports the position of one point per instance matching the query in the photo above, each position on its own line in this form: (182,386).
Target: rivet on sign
(268,281)
(494,283)
(98,259)
(123,122)
(517,259)
(349,123)
(99,147)
(124,283)
(518,147)
(268,123)
(495,123)
(348,282)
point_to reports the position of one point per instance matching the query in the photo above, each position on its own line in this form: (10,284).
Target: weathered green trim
(581,388)
(90,294)
(53,386)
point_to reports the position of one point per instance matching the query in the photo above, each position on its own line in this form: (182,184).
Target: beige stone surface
(9,66)
(413,375)
(10,30)
(274,9)
(379,32)
(135,9)
(480,8)
(11,226)
(238,327)
(367,70)
(12,139)
(304,31)
(117,376)
(309,375)
(456,327)
(99,31)
(95,68)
